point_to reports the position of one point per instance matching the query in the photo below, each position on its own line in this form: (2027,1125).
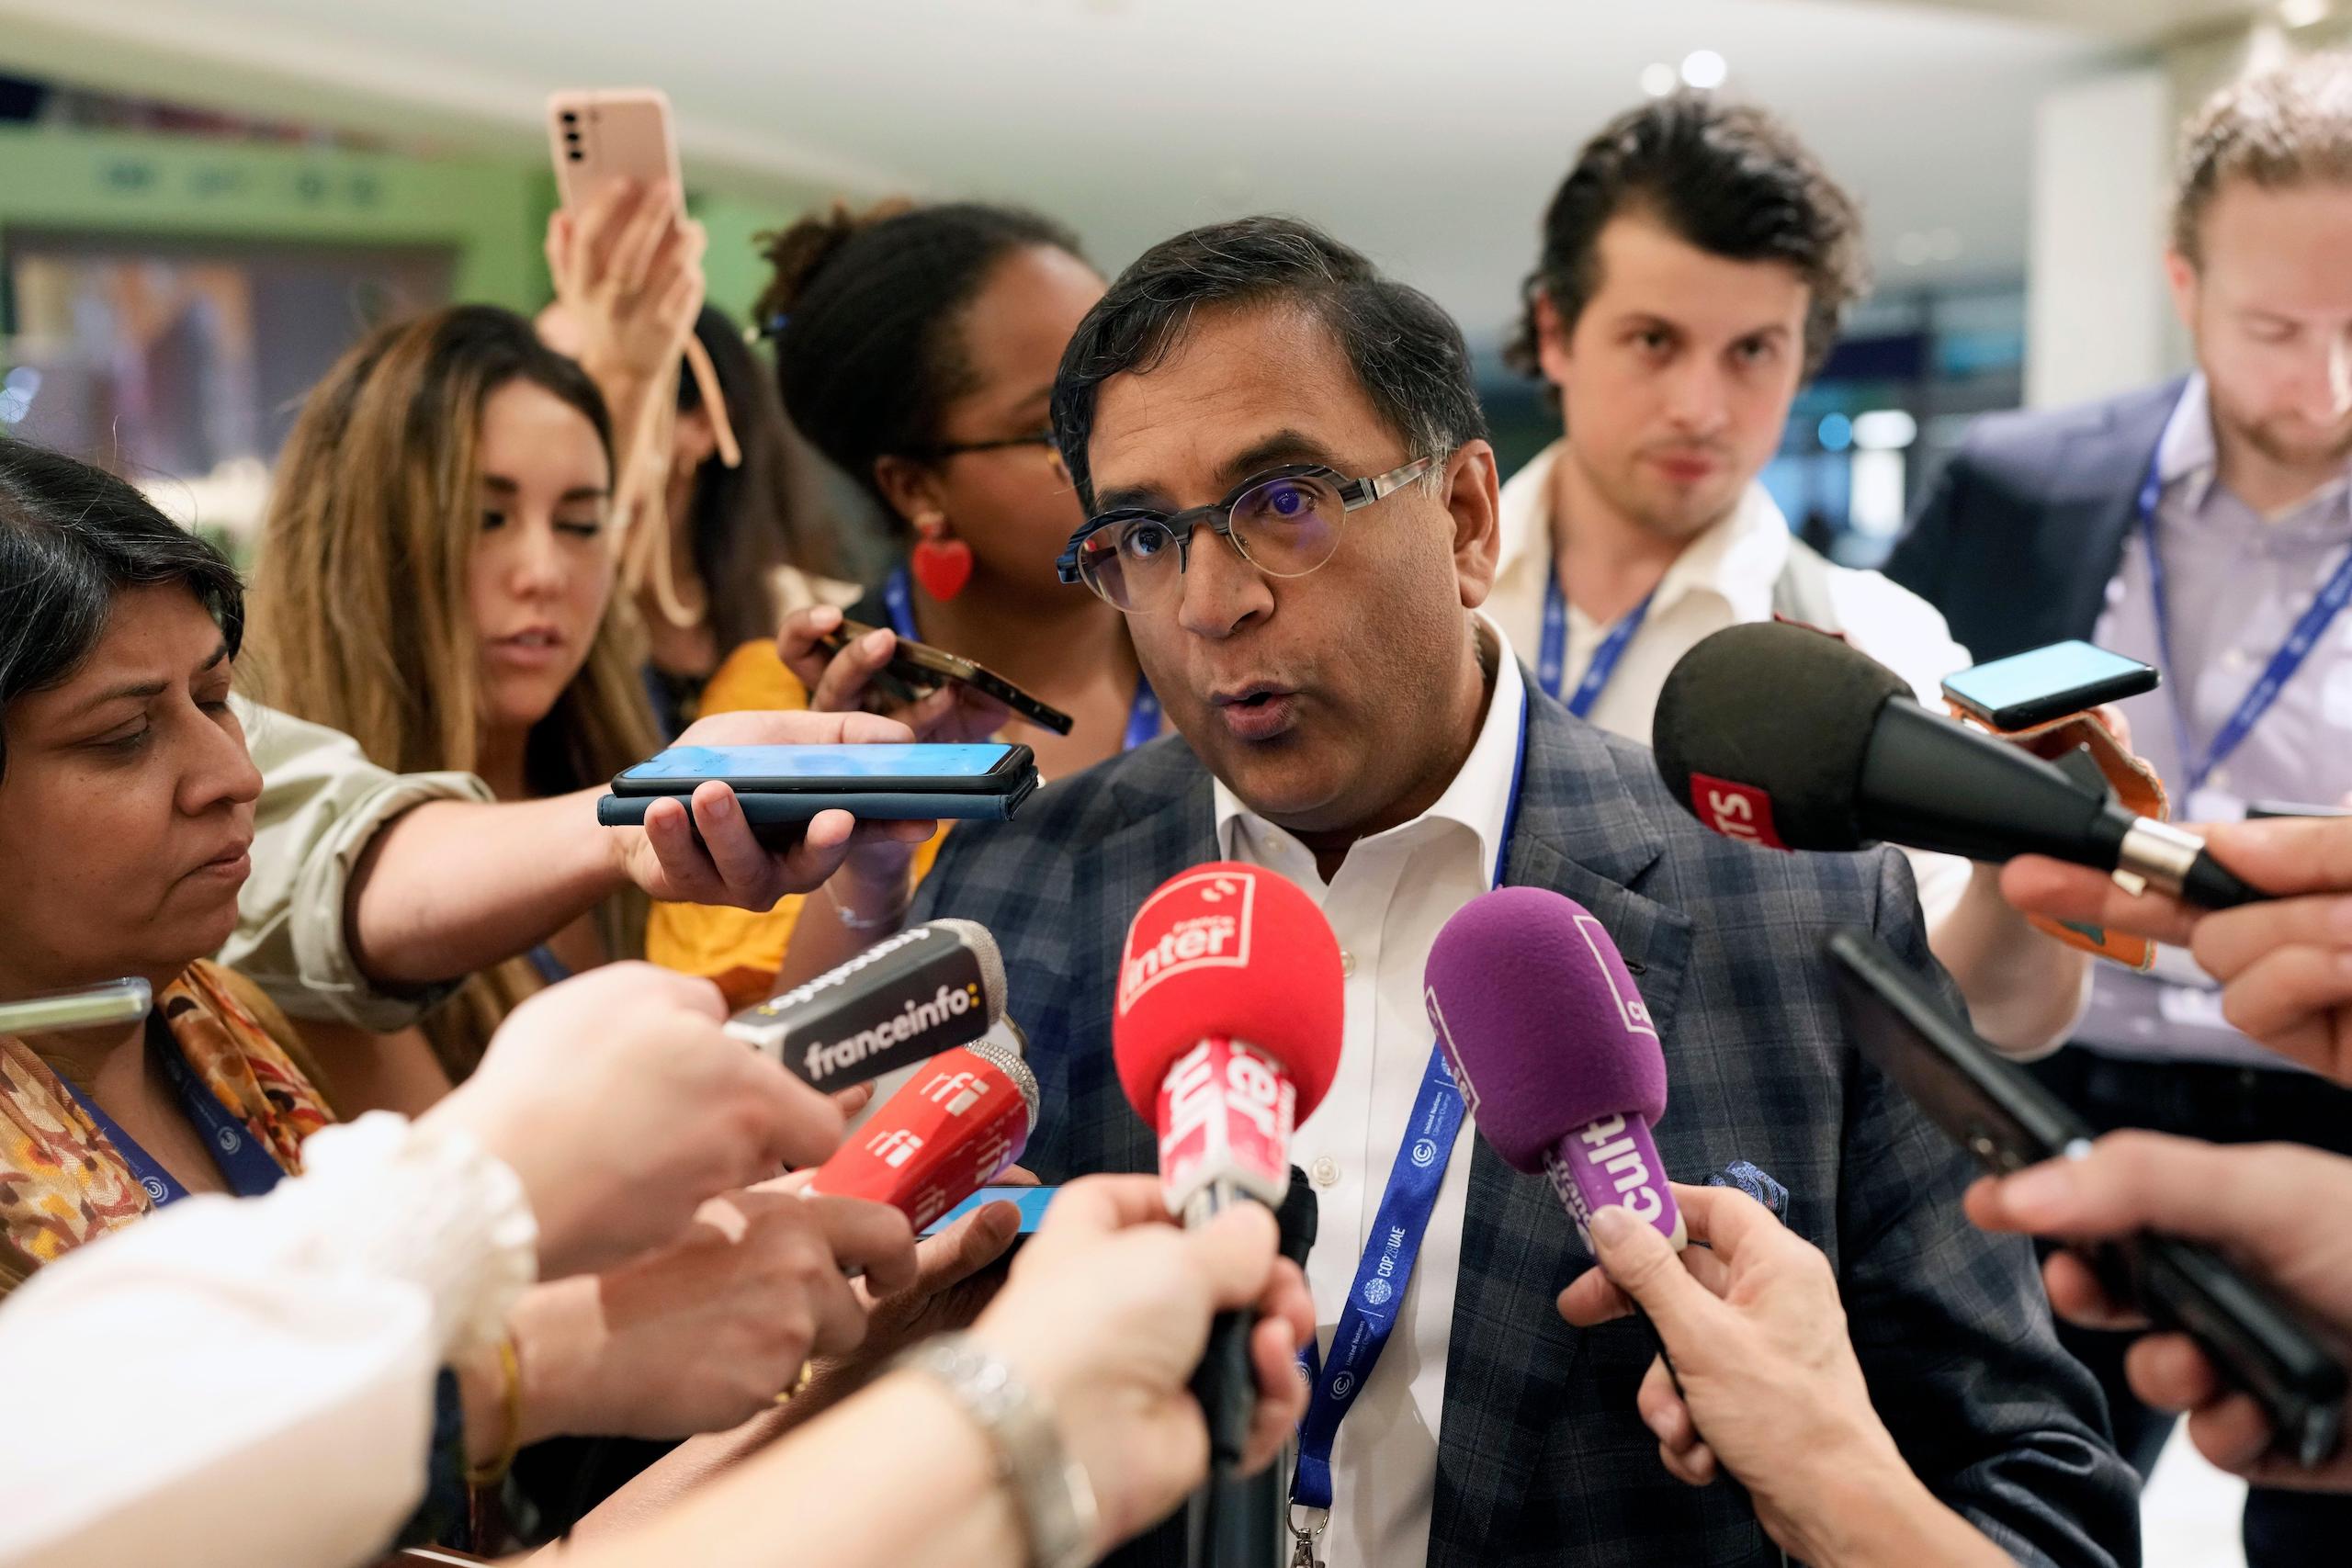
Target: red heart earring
(942,563)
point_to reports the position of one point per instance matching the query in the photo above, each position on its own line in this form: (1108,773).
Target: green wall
(174,188)
(491,215)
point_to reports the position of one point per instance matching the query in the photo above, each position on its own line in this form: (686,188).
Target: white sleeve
(241,1381)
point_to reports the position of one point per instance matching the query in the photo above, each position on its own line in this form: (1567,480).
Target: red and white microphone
(951,1129)
(1227,1033)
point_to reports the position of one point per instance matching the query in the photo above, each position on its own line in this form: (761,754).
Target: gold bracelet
(799,1384)
(510,1372)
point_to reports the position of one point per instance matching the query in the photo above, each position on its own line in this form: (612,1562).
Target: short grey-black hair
(1407,351)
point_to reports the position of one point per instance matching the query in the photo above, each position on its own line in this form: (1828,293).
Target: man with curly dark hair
(1697,262)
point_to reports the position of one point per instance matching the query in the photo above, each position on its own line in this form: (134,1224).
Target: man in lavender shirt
(2204,528)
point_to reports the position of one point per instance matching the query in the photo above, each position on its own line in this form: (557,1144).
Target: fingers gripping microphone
(925,990)
(1781,736)
(1227,1035)
(950,1130)
(1555,1050)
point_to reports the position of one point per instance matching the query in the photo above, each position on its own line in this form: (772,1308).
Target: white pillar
(2098,318)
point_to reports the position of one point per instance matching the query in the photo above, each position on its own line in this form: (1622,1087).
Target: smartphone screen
(817,763)
(1031,1200)
(2049,682)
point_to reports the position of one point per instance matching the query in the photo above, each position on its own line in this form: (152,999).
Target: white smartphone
(599,136)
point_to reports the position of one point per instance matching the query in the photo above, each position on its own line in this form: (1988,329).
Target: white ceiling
(2134,20)
(1430,132)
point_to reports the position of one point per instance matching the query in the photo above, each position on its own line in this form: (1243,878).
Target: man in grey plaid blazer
(1386,673)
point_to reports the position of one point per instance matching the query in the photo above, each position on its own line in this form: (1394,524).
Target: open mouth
(1257,713)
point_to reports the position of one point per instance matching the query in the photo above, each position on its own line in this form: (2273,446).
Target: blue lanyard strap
(248,1167)
(1143,718)
(1550,668)
(2198,766)
(1398,1226)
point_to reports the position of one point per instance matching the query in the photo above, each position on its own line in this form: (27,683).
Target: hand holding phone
(851,675)
(916,670)
(2007,1121)
(2032,688)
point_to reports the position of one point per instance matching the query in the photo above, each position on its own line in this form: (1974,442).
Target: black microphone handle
(1226,1387)
(2212,886)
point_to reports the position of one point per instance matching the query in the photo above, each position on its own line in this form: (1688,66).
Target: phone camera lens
(570,118)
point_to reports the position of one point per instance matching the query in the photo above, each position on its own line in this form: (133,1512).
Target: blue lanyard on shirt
(1143,718)
(2308,630)
(1551,668)
(1398,1226)
(248,1167)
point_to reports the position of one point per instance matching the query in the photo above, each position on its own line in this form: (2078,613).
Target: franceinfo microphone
(1784,737)
(1556,1054)
(927,989)
(1227,1035)
(952,1128)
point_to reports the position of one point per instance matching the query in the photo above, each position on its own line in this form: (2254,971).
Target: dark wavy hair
(748,521)
(866,310)
(72,538)
(1729,179)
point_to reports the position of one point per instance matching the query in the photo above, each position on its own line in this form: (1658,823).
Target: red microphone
(1227,1035)
(950,1129)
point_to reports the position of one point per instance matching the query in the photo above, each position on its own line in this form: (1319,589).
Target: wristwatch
(1052,1491)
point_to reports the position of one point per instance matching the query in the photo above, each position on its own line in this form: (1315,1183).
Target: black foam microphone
(929,988)
(1782,736)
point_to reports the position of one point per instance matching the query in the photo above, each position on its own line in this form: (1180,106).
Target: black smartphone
(778,821)
(978,768)
(2258,810)
(917,668)
(2027,689)
(1993,1109)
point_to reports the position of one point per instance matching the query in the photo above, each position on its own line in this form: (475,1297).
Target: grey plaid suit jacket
(1541,1458)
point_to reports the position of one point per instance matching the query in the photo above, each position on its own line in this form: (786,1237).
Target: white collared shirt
(1387,903)
(1723,578)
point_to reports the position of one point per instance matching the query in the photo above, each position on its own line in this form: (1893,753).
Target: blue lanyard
(2308,628)
(1142,719)
(248,1167)
(1551,668)
(1397,1227)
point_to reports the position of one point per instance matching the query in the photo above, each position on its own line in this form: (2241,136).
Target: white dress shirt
(237,1382)
(1392,895)
(1723,578)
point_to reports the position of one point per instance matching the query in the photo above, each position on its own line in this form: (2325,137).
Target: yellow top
(742,949)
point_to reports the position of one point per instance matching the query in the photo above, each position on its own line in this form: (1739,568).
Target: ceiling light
(1911,249)
(1705,69)
(1658,79)
(2302,13)
(1885,430)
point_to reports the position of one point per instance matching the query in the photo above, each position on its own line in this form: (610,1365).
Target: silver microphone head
(989,957)
(1008,1062)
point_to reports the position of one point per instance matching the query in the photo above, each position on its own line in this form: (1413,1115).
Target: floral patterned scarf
(61,1181)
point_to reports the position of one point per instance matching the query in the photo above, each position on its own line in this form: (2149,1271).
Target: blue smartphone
(2027,689)
(1032,1202)
(981,768)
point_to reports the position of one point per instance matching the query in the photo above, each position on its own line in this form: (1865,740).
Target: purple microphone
(1555,1050)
